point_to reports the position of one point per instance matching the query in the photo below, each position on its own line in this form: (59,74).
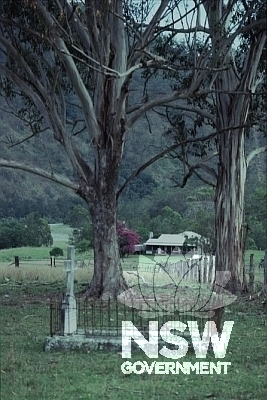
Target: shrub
(56,252)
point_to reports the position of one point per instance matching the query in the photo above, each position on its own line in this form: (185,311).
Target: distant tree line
(193,210)
(30,231)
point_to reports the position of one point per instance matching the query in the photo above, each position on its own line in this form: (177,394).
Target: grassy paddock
(258,255)
(41,272)
(27,253)
(60,233)
(36,253)
(27,373)
(35,265)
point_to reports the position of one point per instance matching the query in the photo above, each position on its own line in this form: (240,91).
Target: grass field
(35,265)
(60,234)
(29,373)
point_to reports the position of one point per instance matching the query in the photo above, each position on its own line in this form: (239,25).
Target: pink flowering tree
(127,239)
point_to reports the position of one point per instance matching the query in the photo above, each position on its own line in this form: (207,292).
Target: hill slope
(22,193)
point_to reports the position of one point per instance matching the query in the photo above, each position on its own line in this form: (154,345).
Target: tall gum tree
(50,48)
(234,87)
(236,39)
(57,53)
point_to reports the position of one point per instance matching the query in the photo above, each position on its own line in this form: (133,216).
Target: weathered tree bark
(232,111)
(233,90)
(229,207)
(108,280)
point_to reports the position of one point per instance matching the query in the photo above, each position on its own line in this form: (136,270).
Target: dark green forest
(153,201)
(29,231)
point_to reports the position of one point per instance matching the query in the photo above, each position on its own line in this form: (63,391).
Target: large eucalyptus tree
(53,53)
(235,89)
(236,101)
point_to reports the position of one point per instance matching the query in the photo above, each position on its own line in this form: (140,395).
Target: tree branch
(73,73)
(254,153)
(159,156)
(200,165)
(31,77)
(154,62)
(26,88)
(198,28)
(200,177)
(143,38)
(181,95)
(151,26)
(60,179)
(196,110)
(255,24)
(144,166)
(55,123)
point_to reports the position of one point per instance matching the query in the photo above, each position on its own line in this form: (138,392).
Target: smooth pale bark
(233,90)
(229,208)
(232,169)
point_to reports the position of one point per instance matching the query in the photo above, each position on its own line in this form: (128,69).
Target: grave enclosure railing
(104,318)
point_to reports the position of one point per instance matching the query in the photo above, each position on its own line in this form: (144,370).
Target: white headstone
(69,306)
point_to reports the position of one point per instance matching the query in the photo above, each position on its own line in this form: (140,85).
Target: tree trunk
(229,207)
(107,280)
(233,90)
(233,87)
(232,114)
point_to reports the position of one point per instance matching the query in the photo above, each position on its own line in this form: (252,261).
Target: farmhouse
(173,243)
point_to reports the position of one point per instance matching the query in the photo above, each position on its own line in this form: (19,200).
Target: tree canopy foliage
(72,66)
(31,231)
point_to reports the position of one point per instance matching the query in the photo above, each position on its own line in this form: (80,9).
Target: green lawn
(60,234)
(27,253)
(28,373)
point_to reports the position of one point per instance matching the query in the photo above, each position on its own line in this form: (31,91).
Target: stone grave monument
(69,307)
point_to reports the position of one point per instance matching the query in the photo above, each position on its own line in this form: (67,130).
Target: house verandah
(167,244)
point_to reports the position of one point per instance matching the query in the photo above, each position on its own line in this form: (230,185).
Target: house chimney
(150,235)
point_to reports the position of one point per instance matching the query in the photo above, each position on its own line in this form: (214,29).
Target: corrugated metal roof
(172,239)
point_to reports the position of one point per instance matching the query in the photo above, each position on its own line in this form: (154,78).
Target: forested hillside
(152,201)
